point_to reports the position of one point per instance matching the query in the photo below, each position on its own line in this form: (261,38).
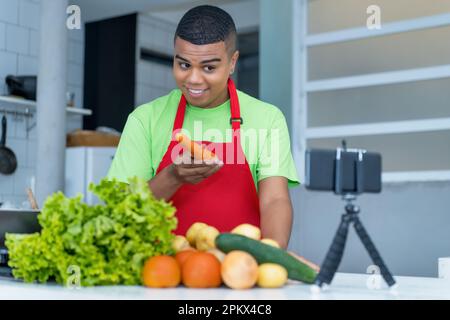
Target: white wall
(328,15)
(95,10)
(19,49)
(245,13)
(275,59)
(152,79)
(156,30)
(406,101)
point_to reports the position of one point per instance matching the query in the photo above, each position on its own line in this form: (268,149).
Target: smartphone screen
(321,171)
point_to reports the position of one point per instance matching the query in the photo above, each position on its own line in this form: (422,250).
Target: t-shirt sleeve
(275,158)
(133,155)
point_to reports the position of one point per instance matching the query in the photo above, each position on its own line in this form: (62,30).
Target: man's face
(202,71)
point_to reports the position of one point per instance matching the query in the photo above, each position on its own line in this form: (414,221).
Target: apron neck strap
(179,118)
(235,119)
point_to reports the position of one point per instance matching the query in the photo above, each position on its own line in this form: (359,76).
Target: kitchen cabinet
(85,165)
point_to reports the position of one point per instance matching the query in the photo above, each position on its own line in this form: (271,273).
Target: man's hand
(310,264)
(183,170)
(187,170)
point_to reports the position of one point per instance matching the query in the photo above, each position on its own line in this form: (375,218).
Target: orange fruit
(161,272)
(201,270)
(182,256)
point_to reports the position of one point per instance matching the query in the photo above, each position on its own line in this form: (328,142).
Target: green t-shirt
(148,130)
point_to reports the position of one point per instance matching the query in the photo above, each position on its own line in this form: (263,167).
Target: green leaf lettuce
(108,243)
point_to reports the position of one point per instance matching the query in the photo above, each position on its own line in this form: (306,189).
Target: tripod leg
(334,254)
(373,252)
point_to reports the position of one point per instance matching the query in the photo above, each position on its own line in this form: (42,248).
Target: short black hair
(207,24)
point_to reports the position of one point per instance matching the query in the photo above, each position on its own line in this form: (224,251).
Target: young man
(249,183)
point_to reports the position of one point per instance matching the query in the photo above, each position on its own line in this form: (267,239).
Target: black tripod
(336,251)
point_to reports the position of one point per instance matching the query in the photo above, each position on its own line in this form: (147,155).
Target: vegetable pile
(108,243)
(240,259)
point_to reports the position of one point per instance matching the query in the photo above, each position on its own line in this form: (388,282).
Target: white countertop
(344,286)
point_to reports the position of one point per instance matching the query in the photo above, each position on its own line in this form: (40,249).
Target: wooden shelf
(32,104)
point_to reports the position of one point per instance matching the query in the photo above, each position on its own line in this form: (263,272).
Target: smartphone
(325,168)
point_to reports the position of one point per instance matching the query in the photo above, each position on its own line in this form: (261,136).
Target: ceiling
(245,13)
(92,10)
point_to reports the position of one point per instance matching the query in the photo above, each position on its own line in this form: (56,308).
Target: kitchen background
(316,60)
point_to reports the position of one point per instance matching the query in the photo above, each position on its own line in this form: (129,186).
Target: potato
(271,275)
(206,238)
(248,230)
(219,254)
(180,243)
(270,242)
(239,270)
(192,232)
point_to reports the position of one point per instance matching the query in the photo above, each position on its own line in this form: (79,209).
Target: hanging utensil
(8,160)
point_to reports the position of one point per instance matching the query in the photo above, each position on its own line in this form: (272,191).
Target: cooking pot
(22,86)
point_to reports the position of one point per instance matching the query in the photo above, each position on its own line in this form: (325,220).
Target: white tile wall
(20,128)
(19,147)
(145,34)
(12,186)
(29,14)
(2,36)
(27,65)
(22,180)
(74,75)
(144,94)
(8,64)
(31,151)
(9,11)
(17,39)
(34,43)
(10,129)
(170,81)
(6,187)
(77,34)
(78,90)
(19,54)
(76,52)
(153,74)
(153,80)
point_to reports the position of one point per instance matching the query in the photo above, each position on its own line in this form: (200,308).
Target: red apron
(228,197)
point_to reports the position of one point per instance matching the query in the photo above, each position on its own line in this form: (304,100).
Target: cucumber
(263,253)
